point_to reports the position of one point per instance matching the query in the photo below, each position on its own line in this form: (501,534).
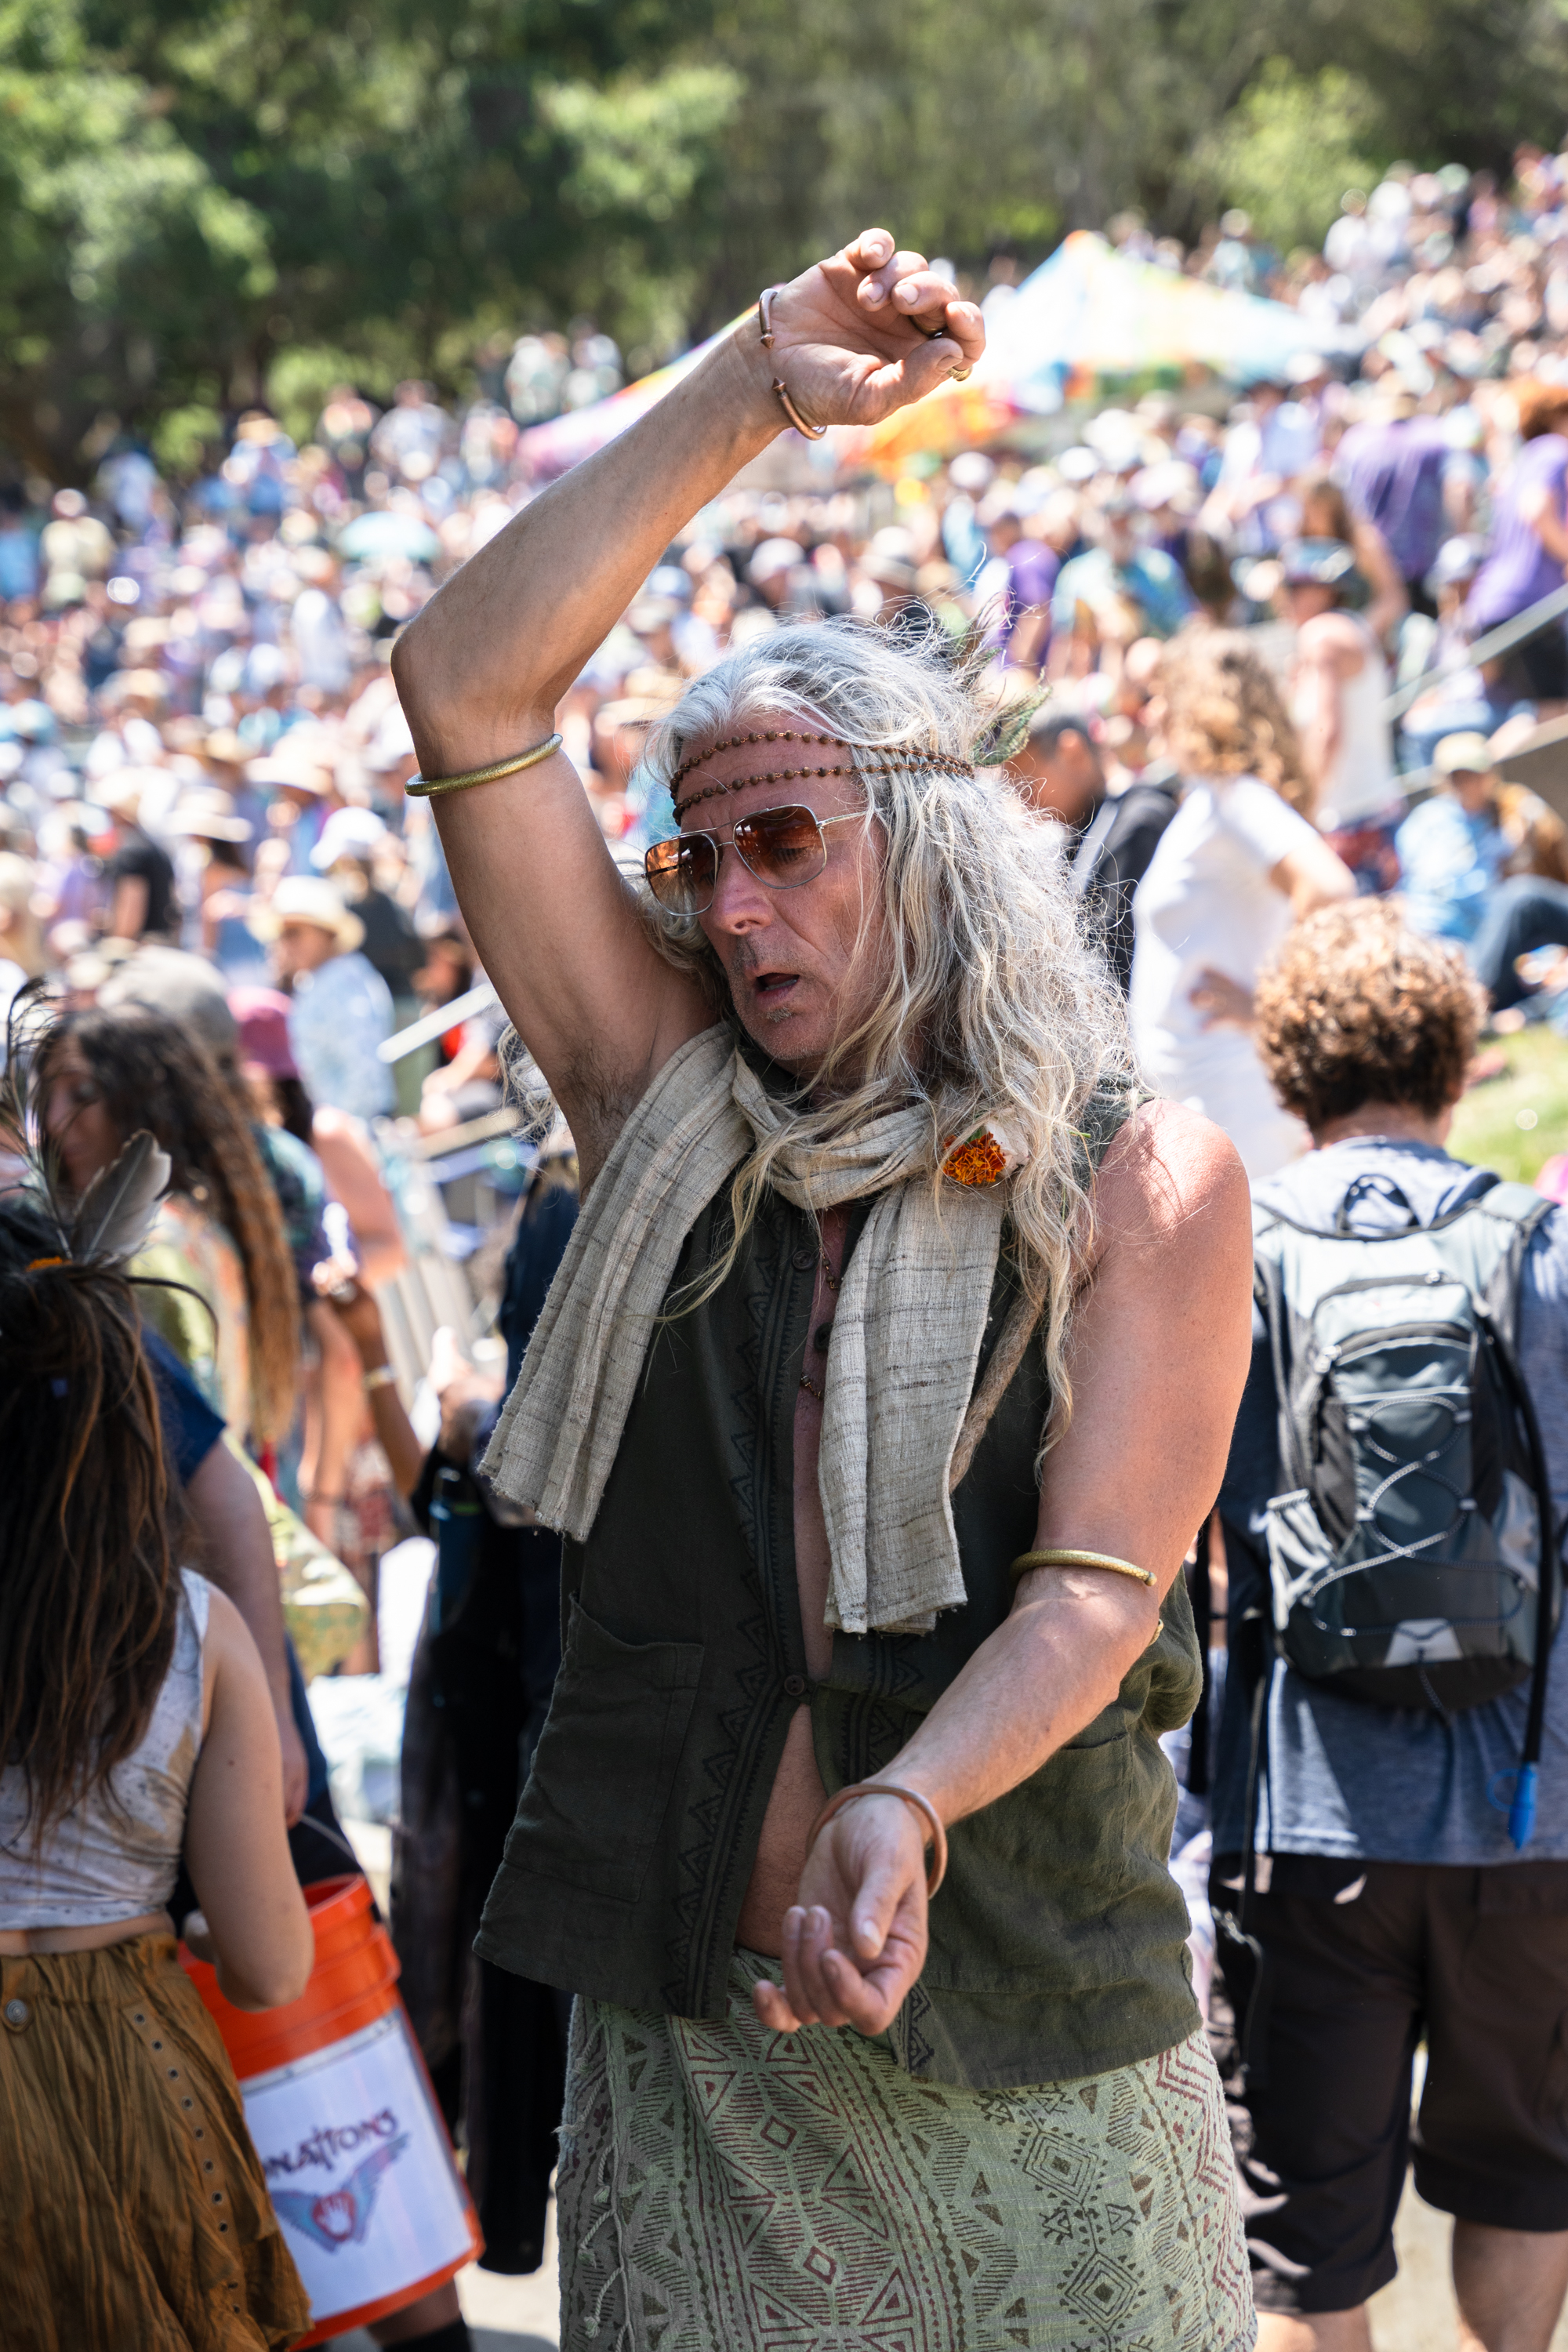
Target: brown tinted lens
(680,872)
(782,847)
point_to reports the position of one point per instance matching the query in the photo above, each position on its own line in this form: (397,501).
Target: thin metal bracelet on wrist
(780,391)
(425,788)
(936,1869)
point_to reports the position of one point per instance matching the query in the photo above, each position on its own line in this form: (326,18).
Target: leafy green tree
(190,187)
(1292,146)
(204,202)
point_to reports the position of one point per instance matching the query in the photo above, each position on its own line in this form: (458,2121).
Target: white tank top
(1361,781)
(114,1856)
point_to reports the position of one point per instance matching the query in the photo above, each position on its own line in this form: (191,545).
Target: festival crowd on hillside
(1240,643)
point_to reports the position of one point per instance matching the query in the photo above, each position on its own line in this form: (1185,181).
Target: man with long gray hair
(876,1223)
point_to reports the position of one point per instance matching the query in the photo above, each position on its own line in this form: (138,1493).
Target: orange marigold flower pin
(982,1157)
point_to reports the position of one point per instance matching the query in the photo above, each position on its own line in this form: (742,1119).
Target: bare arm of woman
(237,1849)
(349,1163)
(1312,877)
(482,671)
(334,1423)
(237,1556)
(1309,876)
(1390,599)
(1159,1357)
(358,1317)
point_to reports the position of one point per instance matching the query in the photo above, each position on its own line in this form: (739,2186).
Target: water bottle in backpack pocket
(1406,1559)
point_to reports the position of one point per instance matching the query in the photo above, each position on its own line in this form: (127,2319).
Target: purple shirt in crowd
(1033,567)
(1518,571)
(1393,474)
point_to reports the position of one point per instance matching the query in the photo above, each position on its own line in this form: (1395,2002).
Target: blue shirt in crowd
(1150,581)
(1344,1776)
(1449,862)
(339,1014)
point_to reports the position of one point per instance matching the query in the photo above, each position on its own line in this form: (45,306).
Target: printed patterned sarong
(724,2189)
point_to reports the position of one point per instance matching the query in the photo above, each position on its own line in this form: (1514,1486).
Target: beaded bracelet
(425,788)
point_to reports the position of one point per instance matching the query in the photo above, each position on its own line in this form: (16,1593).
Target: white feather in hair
(115,1212)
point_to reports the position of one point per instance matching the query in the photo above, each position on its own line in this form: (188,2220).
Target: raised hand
(866,332)
(856,1941)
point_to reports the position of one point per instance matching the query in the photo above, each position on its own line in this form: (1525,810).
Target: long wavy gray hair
(997,1005)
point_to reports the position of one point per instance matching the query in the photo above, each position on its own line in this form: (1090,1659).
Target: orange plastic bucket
(352,2144)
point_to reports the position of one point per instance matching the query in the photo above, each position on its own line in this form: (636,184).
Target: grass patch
(1516,1122)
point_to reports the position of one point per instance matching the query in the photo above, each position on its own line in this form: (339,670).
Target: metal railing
(1500,640)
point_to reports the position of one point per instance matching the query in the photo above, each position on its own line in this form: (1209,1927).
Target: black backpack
(1413,1558)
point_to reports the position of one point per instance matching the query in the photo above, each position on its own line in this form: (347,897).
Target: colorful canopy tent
(1085,314)
(565,441)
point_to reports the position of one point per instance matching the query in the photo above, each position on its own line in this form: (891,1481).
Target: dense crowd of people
(200,742)
(1224,643)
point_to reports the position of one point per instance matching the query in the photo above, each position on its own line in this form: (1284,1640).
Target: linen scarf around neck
(911,1314)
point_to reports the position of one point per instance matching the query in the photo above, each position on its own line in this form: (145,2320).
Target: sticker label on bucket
(359,2169)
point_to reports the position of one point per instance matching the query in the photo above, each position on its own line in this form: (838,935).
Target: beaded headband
(890,761)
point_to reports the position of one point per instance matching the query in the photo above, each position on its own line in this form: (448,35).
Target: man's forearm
(1033,1685)
(507,634)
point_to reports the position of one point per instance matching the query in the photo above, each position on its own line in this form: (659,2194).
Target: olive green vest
(1057,1942)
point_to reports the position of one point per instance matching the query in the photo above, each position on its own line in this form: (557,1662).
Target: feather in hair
(117,1206)
(21,1127)
(972,659)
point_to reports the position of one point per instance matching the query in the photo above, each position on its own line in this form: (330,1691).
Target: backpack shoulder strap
(1522,1210)
(1519,1204)
(1273,1240)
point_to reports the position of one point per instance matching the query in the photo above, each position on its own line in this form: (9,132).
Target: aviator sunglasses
(784,847)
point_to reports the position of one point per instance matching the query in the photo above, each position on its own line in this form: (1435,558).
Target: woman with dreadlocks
(134,1717)
(218,1234)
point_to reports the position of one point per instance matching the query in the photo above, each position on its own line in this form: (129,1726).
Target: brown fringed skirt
(132,2208)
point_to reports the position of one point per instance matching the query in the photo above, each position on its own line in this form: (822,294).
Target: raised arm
(482,671)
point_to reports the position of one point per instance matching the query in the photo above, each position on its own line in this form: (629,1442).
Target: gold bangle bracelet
(383,1377)
(1057,1558)
(425,788)
(936,1869)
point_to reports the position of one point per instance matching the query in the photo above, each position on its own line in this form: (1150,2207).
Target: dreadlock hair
(90,1592)
(151,1073)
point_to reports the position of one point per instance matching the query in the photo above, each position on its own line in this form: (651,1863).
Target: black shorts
(1361,1962)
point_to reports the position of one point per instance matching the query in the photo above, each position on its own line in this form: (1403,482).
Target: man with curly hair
(1389,1902)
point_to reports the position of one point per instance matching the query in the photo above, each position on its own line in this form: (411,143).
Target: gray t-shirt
(1345,1778)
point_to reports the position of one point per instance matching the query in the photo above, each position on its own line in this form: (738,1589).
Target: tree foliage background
(205,201)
